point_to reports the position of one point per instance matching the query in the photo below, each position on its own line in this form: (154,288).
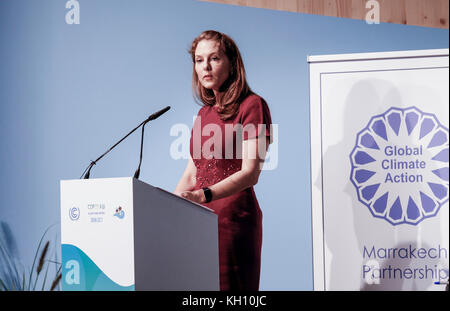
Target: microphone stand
(138,171)
(88,169)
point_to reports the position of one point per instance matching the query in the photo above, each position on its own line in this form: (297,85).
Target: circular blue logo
(400,165)
(74,213)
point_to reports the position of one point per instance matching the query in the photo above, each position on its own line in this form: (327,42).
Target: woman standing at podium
(223,169)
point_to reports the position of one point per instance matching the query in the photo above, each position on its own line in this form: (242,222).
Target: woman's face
(211,64)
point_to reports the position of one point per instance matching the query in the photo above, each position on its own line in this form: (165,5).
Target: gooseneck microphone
(153,116)
(157,114)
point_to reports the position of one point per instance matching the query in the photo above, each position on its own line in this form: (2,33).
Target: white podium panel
(123,234)
(379,169)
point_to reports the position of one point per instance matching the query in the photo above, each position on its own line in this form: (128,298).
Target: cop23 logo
(399,165)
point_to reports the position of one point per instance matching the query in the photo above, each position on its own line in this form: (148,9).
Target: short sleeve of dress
(255,118)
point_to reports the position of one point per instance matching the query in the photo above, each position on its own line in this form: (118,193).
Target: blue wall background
(68,92)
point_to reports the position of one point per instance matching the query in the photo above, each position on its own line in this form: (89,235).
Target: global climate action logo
(400,165)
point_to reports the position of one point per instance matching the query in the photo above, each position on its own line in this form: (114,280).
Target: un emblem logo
(74,213)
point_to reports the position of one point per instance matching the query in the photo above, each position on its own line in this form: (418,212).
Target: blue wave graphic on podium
(80,273)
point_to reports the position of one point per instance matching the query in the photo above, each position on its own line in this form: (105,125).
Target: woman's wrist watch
(208,194)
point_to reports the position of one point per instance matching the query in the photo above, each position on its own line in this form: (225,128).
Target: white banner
(380,151)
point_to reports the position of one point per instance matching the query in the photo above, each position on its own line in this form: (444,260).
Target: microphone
(151,117)
(157,114)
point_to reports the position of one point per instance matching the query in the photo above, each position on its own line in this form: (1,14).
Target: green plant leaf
(13,276)
(8,239)
(9,267)
(3,286)
(35,255)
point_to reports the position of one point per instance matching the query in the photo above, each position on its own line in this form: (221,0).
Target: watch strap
(208,194)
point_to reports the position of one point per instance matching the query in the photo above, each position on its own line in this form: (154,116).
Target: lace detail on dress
(210,172)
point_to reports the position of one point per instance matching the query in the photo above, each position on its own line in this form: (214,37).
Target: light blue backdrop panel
(68,92)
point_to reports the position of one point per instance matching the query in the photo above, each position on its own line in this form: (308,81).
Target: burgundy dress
(239,215)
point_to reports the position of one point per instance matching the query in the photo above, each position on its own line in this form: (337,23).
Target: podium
(124,234)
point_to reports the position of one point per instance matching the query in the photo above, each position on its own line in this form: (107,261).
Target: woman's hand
(196,196)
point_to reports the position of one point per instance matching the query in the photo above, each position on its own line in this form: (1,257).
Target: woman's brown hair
(235,88)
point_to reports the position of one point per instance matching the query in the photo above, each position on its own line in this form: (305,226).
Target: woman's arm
(187,181)
(248,175)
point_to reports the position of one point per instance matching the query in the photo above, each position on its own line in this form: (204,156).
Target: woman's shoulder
(203,109)
(252,99)
(252,102)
